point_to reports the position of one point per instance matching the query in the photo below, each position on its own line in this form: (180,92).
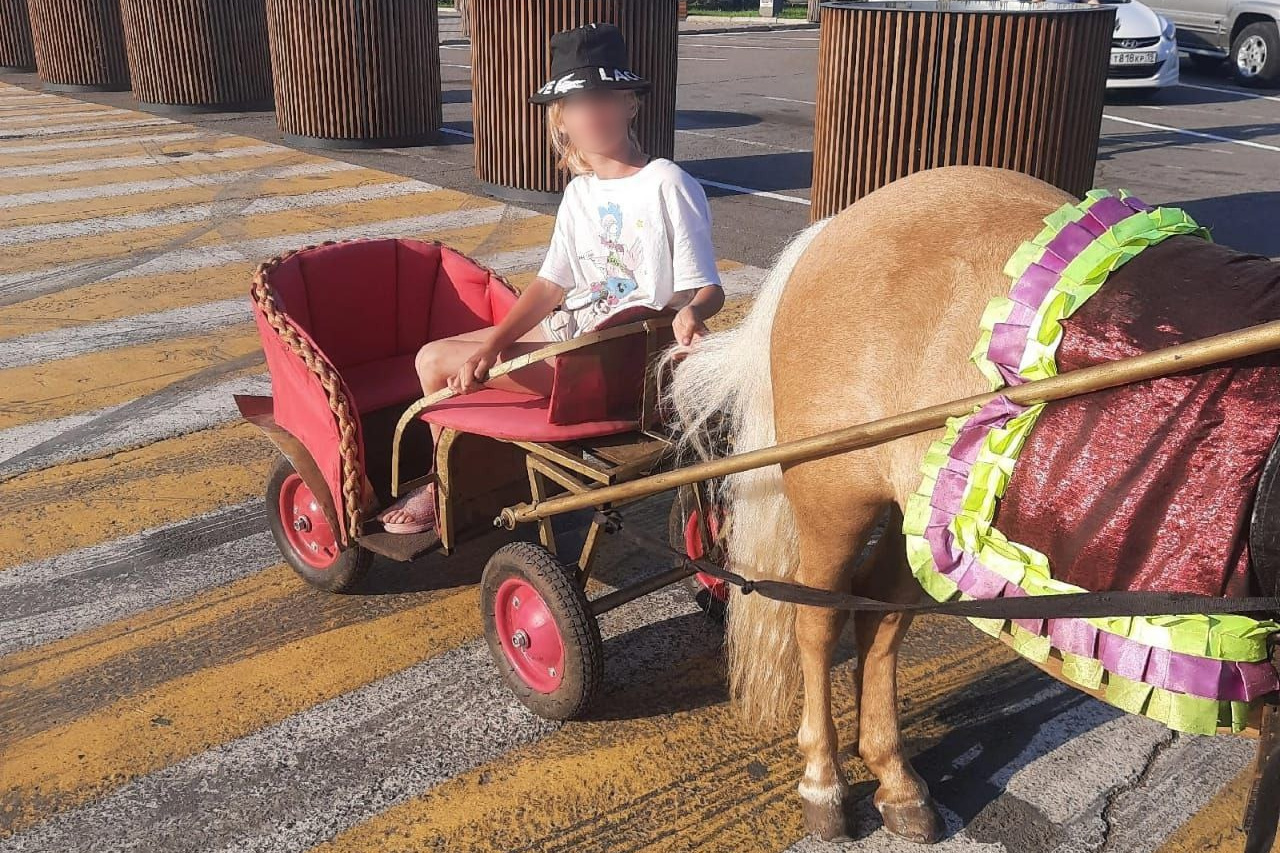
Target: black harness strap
(1067,605)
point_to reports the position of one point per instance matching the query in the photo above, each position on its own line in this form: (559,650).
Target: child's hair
(570,157)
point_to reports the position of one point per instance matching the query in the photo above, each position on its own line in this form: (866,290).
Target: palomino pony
(866,314)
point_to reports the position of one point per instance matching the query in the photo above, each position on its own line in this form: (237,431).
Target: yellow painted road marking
(617,784)
(85,503)
(251,186)
(53,389)
(125,297)
(43,666)
(1216,827)
(73,763)
(169,169)
(231,227)
(165,152)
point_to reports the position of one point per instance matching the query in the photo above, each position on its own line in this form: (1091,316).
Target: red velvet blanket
(1150,486)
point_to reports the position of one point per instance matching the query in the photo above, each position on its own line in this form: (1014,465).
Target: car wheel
(1255,54)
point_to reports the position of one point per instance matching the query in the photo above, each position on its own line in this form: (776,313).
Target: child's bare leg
(439,361)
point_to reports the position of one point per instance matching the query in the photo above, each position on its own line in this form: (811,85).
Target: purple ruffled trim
(1176,671)
(1009,337)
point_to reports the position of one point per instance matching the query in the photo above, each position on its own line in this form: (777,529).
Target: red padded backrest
(419,268)
(351,299)
(461,299)
(369,300)
(290,292)
(604,381)
(501,298)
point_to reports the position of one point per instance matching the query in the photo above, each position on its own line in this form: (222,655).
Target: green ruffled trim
(1228,637)
(1080,280)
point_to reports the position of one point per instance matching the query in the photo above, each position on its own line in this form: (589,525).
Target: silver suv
(1245,31)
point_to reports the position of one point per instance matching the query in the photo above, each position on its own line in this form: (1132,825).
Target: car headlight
(1168,30)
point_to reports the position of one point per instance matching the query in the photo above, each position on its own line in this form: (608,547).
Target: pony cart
(341,364)
(341,360)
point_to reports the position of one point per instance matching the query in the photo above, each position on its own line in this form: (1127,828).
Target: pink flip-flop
(421,503)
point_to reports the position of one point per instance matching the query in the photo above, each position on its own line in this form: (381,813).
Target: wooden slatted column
(17,53)
(906,86)
(198,55)
(356,73)
(79,45)
(511,58)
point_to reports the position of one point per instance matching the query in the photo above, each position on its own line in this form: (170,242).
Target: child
(631,231)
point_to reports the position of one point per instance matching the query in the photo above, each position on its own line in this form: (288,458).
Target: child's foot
(413,513)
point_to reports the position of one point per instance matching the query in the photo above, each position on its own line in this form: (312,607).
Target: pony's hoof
(826,821)
(918,821)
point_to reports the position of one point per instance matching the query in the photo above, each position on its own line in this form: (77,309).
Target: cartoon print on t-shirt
(617,261)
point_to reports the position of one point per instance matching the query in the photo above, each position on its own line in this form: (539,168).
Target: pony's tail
(723,390)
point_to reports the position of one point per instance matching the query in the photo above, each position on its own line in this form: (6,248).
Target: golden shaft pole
(1163,362)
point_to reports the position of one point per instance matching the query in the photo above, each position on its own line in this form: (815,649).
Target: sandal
(421,503)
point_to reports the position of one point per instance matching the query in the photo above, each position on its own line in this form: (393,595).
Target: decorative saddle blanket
(1146,487)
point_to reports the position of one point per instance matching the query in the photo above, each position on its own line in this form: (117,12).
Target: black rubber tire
(345,572)
(713,607)
(579,630)
(1269,32)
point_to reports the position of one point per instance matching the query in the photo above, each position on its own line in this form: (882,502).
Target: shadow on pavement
(777,172)
(1246,221)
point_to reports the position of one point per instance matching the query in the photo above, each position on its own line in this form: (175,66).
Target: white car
(1144,48)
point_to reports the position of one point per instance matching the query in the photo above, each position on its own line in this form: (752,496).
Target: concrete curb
(748,28)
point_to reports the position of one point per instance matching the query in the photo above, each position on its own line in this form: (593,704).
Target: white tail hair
(724,388)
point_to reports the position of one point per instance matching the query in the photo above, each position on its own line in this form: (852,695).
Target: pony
(865,314)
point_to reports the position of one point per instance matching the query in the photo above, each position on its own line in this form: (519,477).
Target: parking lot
(167,684)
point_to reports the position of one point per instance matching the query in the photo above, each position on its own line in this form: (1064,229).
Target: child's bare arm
(690,322)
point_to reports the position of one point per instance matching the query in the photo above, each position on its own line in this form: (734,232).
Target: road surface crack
(1113,796)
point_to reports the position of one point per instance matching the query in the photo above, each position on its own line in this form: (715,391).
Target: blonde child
(631,231)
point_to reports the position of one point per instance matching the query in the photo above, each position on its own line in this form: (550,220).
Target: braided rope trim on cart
(347,419)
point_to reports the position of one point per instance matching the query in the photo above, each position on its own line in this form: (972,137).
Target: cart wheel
(304,536)
(540,631)
(711,594)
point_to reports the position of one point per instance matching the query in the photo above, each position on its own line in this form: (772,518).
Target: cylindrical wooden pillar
(511,58)
(79,45)
(356,73)
(198,55)
(17,53)
(913,84)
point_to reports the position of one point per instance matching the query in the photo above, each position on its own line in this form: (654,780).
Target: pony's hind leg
(827,556)
(903,797)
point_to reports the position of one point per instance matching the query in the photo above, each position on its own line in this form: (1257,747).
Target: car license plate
(1145,57)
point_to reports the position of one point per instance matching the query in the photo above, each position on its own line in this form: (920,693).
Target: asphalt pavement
(167,684)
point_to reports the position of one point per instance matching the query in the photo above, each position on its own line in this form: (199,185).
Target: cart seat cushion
(512,416)
(379,384)
(370,300)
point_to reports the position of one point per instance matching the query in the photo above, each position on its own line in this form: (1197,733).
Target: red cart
(341,324)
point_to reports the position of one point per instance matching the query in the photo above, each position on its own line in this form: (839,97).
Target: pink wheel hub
(305,526)
(693,547)
(529,635)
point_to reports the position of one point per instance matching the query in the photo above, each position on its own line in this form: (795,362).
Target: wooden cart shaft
(1183,357)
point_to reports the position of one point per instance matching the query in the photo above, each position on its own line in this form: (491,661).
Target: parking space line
(793,199)
(724,138)
(744,46)
(1242,93)
(789,100)
(1196,133)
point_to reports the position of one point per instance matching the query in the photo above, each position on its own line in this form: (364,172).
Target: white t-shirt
(623,242)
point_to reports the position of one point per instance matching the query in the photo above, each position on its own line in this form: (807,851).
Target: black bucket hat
(590,57)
